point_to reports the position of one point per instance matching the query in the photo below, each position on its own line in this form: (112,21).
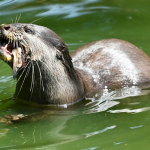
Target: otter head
(41,63)
(21,43)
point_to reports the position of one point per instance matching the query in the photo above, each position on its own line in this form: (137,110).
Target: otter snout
(5,27)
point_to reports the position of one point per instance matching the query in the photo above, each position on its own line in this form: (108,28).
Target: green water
(114,122)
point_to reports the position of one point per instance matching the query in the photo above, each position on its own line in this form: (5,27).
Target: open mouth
(13,51)
(8,46)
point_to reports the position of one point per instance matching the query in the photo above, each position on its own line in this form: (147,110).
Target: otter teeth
(5,48)
(17,61)
(17,56)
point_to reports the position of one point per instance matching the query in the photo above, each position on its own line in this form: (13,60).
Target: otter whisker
(29,69)
(18,18)
(16,44)
(23,71)
(8,41)
(37,19)
(24,43)
(41,80)
(27,73)
(20,68)
(20,45)
(13,43)
(32,82)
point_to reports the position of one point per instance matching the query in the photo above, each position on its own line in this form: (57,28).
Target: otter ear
(63,55)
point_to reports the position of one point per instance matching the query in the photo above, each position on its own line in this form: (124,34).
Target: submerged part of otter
(46,74)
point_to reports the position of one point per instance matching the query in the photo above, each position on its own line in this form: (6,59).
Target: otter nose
(5,27)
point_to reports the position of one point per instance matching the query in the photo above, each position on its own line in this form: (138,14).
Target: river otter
(46,74)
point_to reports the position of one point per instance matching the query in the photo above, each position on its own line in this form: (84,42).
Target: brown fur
(49,76)
(100,61)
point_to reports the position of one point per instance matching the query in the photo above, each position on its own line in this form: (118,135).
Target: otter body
(112,63)
(46,74)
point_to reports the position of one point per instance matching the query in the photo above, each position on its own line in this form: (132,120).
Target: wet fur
(113,63)
(44,78)
(50,76)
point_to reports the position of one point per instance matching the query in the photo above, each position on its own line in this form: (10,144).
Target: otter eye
(28,31)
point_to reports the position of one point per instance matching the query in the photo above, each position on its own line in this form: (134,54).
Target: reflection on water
(54,127)
(130,111)
(68,10)
(106,99)
(101,131)
(4,3)
(72,10)
(39,129)
(3,132)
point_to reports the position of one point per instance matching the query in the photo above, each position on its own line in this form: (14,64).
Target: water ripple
(72,10)
(100,131)
(135,127)
(10,2)
(68,10)
(107,98)
(128,110)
